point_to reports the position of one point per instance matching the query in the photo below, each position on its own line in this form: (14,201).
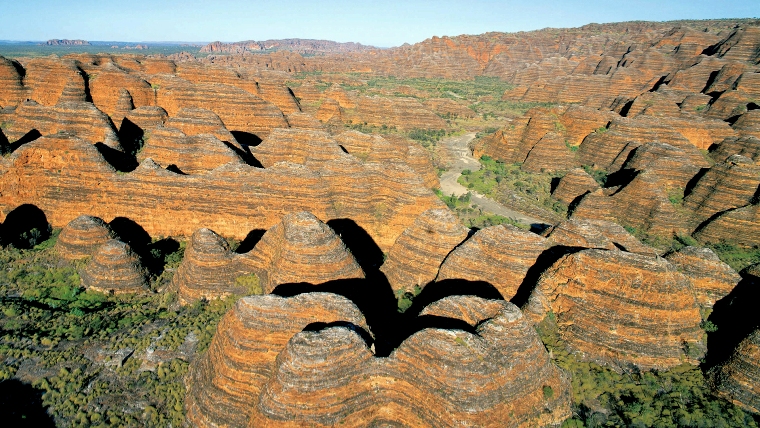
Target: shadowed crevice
(25,227)
(543,262)
(121,161)
(250,241)
(21,405)
(735,316)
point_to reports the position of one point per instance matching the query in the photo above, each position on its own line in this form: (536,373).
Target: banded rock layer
(416,256)
(209,269)
(301,249)
(81,237)
(500,255)
(621,308)
(114,268)
(738,380)
(711,279)
(225,383)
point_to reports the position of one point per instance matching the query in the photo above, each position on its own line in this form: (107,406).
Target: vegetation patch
(670,398)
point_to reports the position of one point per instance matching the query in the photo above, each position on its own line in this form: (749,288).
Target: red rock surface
(11,88)
(499,255)
(301,249)
(114,268)
(588,233)
(196,154)
(622,309)
(46,79)
(417,254)
(574,184)
(738,380)
(467,378)
(209,270)
(225,383)
(81,237)
(711,279)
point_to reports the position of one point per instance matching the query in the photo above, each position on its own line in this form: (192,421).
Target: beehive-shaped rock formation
(114,268)
(711,279)
(589,233)
(495,377)
(621,308)
(738,380)
(46,79)
(748,147)
(739,226)
(75,118)
(301,249)
(107,82)
(416,256)
(238,109)
(194,121)
(224,384)
(81,237)
(573,184)
(196,154)
(726,185)
(500,255)
(209,269)
(296,146)
(11,89)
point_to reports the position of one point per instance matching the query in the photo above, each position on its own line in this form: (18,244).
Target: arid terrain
(549,228)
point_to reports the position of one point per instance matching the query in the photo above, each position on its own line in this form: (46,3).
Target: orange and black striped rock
(417,255)
(621,309)
(590,233)
(301,249)
(114,268)
(738,380)
(209,270)
(495,375)
(500,255)
(195,154)
(81,237)
(575,183)
(224,384)
(711,279)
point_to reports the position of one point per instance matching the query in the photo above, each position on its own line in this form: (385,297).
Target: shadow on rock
(21,405)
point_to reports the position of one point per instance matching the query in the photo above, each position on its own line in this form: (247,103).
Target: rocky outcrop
(57,174)
(622,309)
(106,84)
(209,270)
(416,256)
(11,88)
(500,255)
(67,42)
(672,166)
(730,184)
(81,119)
(301,249)
(748,147)
(46,79)
(501,374)
(225,383)
(741,45)
(550,154)
(740,226)
(575,183)
(588,233)
(194,121)
(296,146)
(114,268)
(81,237)
(402,113)
(710,278)
(196,154)
(738,380)
(239,110)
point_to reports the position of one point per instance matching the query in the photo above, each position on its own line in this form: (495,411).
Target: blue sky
(379,23)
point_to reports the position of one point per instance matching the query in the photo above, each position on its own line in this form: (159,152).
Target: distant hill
(302,46)
(67,42)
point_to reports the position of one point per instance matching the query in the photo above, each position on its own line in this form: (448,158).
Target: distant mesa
(67,42)
(302,46)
